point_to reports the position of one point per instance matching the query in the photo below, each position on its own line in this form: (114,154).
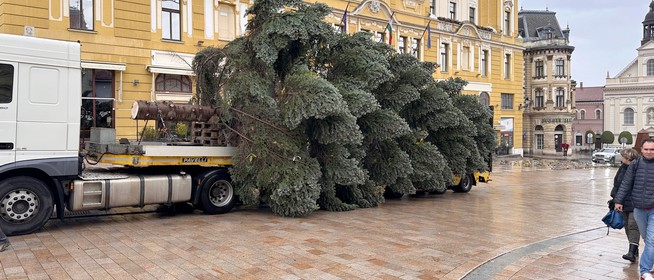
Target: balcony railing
(630,80)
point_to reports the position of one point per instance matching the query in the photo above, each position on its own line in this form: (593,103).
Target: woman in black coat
(631,228)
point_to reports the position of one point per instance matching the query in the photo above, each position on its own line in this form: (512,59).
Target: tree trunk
(169,111)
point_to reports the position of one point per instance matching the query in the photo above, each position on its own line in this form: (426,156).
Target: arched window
(484,98)
(173,83)
(582,114)
(628,116)
(598,114)
(650,67)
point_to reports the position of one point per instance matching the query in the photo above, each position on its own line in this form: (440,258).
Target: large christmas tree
(333,120)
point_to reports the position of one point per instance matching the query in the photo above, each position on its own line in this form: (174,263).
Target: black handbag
(613,220)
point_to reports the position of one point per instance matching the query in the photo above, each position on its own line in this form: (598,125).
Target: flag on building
(344,19)
(428,31)
(389,28)
(428,37)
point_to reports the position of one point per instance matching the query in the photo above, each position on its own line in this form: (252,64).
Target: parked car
(607,155)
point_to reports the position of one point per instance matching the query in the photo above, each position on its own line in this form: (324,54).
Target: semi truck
(42,168)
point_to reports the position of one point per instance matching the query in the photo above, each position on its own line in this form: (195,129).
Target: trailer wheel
(217,195)
(465,185)
(25,205)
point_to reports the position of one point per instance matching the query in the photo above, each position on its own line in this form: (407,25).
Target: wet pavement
(528,223)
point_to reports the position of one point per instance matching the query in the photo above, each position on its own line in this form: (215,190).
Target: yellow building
(142,49)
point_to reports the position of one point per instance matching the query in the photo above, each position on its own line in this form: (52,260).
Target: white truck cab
(40,159)
(39,118)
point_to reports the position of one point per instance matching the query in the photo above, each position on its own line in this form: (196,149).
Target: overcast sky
(605,33)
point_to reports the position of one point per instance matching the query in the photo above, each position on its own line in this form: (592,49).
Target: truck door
(8,82)
(41,119)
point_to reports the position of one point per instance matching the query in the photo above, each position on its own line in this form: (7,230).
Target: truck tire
(25,205)
(217,196)
(465,185)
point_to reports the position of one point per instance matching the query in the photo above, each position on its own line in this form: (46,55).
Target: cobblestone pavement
(528,223)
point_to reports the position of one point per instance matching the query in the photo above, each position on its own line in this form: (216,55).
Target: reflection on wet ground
(546,219)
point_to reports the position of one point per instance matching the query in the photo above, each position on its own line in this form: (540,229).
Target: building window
(465,58)
(540,98)
(484,98)
(507,23)
(401,44)
(628,116)
(379,37)
(507,66)
(540,69)
(226,23)
(415,48)
(6,83)
(171,21)
(432,8)
(97,100)
(560,67)
(650,67)
(472,15)
(582,115)
(540,141)
(444,56)
(507,101)
(81,14)
(452,10)
(578,140)
(167,83)
(560,100)
(484,63)
(598,114)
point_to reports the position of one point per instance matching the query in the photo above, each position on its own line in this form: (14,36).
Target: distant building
(549,101)
(629,96)
(589,122)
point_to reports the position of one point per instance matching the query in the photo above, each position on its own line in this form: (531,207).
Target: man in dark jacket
(630,226)
(638,183)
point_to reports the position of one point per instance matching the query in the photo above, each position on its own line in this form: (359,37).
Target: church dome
(649,17)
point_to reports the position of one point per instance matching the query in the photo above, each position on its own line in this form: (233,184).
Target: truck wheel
(25,205)
(217,195)
(465,185)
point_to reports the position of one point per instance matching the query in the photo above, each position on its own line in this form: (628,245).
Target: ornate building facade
(629,95)
(142,50)
(549,100)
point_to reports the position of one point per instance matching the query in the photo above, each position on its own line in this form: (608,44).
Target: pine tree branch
(282,131)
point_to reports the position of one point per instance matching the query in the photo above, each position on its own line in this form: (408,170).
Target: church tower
(648,25)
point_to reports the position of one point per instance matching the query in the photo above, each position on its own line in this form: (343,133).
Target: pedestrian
(630,226)
(4,242)
(637,183)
